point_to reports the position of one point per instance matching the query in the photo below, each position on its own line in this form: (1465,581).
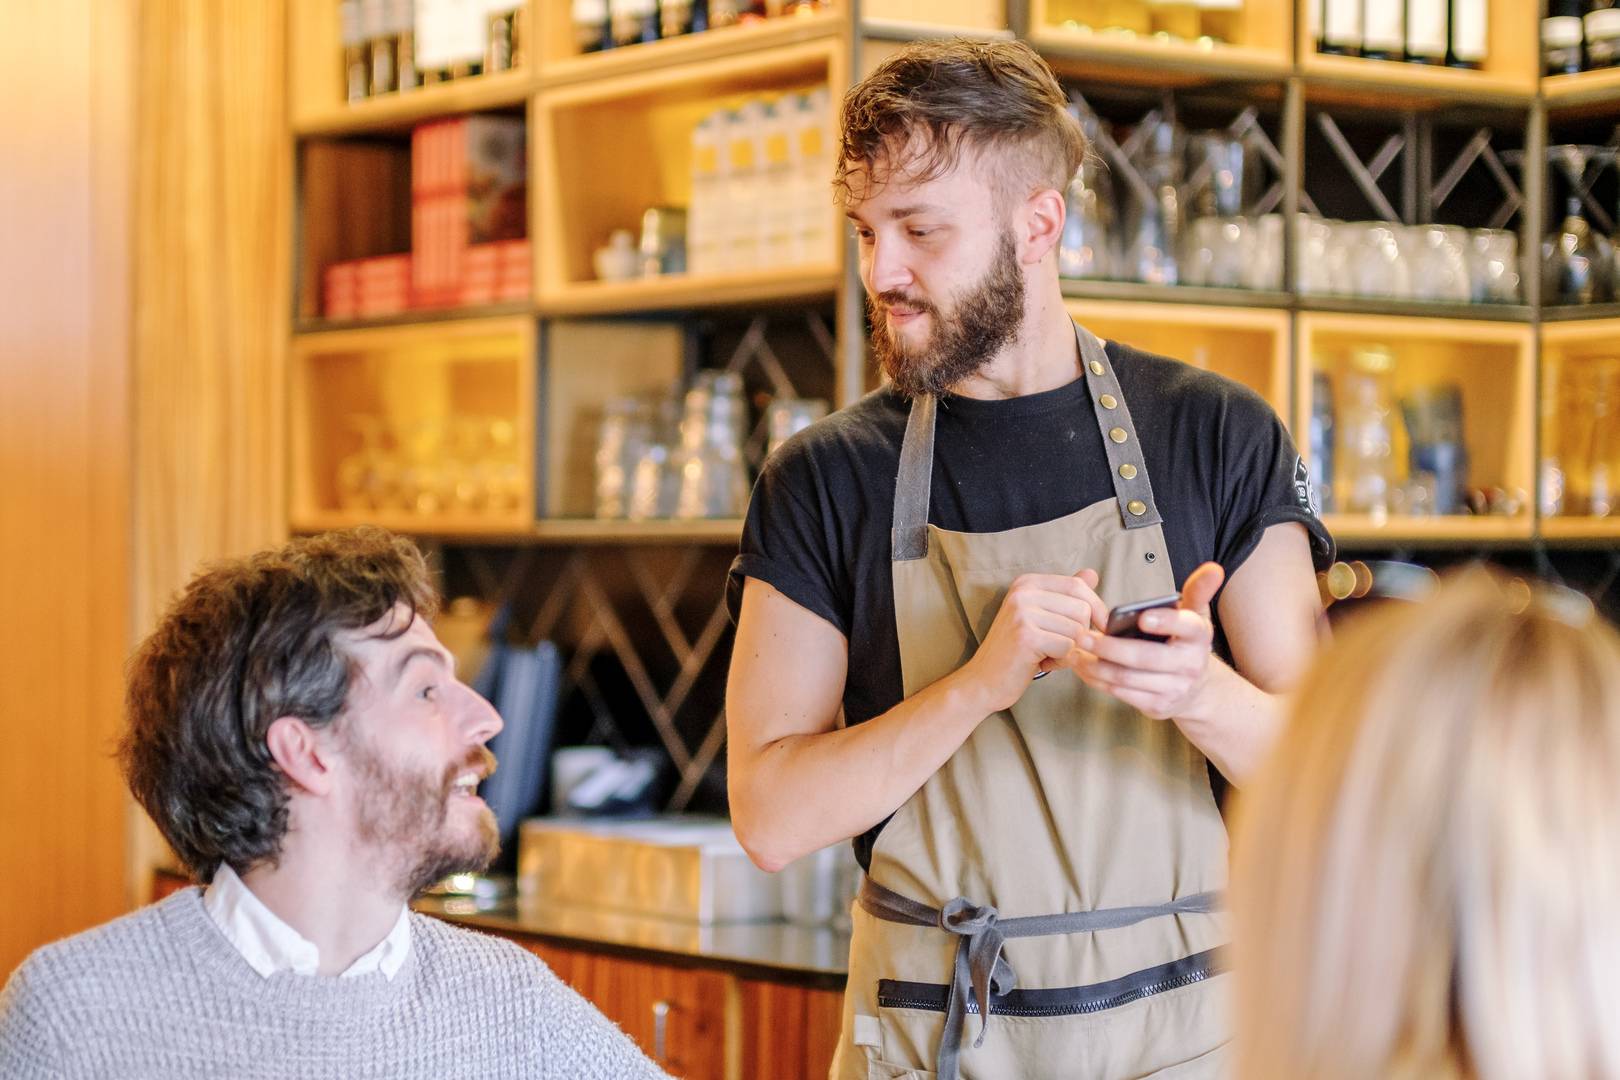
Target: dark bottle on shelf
(1561,37)
(700,17)
(1383,30)
(1341,27)
(1601,26)
(1470,33)
(1428,30)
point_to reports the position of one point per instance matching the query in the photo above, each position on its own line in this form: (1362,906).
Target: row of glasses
(1387,260)
(444,465)
(684,458)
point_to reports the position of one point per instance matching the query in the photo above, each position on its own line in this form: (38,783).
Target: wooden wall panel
(64,466)
(211,293)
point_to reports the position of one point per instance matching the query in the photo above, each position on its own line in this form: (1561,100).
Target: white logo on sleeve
(1304,490)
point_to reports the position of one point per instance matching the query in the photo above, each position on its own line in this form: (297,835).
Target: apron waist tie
(981,932)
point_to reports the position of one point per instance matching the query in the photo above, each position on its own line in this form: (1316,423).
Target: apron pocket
(882,1070)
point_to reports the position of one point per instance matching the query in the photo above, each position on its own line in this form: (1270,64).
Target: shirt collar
(269,945)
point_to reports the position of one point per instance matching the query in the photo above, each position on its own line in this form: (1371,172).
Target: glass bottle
(1561,36)
(380,43)
(356,65)
(1428,31)
(1341,28)
(402,25)
(593,30)
(1470,33)
(1366,438)
(1603,459)
(1383,30)
(1601,28)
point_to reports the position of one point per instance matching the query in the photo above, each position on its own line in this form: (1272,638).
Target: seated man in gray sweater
(300,736)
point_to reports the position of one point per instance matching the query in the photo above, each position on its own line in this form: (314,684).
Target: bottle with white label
(1470,33)
(819,230)
(778,218)
(1221,20)
(705,216)
(1602,28)
(1428,31)
(1561,38)
(1341,27)
(1383,30)
(744,150)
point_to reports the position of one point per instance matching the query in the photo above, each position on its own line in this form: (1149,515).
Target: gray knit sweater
(162,993)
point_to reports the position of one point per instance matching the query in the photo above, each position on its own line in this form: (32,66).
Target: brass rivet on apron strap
(1108,401)
(1137,507)
(1128,471)
(1118,434)
(1096,367)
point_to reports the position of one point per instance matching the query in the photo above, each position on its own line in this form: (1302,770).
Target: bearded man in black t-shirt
(913,568)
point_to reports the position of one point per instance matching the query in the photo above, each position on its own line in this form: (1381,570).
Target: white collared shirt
(269,945)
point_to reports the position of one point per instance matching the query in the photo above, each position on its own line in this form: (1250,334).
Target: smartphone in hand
(1122,621)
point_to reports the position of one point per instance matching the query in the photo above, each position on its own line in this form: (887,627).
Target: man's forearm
(1233,722)
(800,793)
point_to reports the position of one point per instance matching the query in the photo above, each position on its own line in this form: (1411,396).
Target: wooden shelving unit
(608,136)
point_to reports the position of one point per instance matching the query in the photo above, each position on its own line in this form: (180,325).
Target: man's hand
(1037,628)
(1161,679)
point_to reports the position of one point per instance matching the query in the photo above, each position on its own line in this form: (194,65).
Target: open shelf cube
(1579,460)
(1508,74)
(604,152)
(1070,34)
(1250,347)
(1493,364)
(428,429)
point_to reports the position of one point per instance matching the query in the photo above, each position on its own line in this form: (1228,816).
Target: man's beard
(981,322)
(402,814)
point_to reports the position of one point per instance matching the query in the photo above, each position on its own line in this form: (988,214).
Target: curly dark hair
(248,641)
(960,95)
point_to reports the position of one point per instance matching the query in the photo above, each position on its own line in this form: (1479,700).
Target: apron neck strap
(1126,468)
(909,526)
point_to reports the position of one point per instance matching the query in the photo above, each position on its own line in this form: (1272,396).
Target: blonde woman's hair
(1426,874)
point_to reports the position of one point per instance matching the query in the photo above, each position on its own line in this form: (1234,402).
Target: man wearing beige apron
(920,596)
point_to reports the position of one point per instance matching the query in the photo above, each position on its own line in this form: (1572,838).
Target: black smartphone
(1122,621)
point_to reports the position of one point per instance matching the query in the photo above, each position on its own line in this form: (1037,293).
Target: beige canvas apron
(1068,857)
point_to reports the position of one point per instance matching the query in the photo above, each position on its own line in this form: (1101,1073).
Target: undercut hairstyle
(930,104)
(248,641)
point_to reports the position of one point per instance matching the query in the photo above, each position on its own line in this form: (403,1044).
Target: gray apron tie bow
(980,967)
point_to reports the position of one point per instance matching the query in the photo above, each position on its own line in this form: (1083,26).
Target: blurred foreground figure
(1427,873)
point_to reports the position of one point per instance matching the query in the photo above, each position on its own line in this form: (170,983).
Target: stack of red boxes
(469,211)
(468,194)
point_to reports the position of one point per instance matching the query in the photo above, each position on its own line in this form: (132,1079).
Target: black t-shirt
(1222,466)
